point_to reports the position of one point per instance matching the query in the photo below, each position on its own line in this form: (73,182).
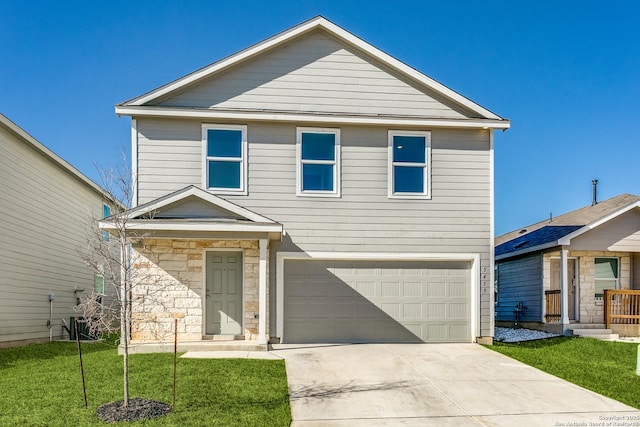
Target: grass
(41,385)
(606,367)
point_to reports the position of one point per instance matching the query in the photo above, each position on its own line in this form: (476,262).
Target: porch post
(564,289)
(262,293)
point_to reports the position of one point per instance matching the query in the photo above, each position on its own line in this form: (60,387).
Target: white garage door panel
(377,301)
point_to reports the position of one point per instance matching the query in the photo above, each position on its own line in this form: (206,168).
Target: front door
(224,293)
(571,274)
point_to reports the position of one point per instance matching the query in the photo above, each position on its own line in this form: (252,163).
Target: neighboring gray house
(312,188)
(46,208)
(559,269)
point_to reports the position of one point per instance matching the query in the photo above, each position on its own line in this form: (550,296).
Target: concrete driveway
(434,384)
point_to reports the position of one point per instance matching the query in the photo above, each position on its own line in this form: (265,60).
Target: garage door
(376,301)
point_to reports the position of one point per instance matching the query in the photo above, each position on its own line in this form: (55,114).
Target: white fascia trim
(59,161)
(380,256)
(206,196)
(409,71)
(308,118)
(287,35)
(566,240)
(224,63)
(172,226)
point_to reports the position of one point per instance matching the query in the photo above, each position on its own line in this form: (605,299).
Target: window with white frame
(606,275)
(225,158)
(409,164)
(318,157)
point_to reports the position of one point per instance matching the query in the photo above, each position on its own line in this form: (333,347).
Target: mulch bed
(137,410)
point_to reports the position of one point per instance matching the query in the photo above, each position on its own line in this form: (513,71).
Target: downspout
(52,296)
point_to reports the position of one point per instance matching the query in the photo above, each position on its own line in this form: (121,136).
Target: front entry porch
(574,299)
(198,270)
(216,289)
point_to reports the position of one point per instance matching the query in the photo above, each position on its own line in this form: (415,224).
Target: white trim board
(381,256)
(320,119)
(159,225)
(566,240)
(25,137)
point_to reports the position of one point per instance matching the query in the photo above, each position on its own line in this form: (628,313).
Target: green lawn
(40,385)
(606,367)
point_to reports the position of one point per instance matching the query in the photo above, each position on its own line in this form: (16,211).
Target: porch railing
(552,311)
(621,307)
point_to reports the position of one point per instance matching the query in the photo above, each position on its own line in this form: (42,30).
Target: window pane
(224,143)
(318,146)
(606,268)
(602,284)
(317,177)
(106,211)
(224,174)
(409,149)
(408,179)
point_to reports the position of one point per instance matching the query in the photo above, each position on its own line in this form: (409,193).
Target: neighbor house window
(225,154)
(606,275)
(409,159)
(106,213)
(318,152)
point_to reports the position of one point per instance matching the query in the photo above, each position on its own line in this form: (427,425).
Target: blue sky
(567,73)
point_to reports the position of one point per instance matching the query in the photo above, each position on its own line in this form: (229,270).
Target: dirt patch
(137,410)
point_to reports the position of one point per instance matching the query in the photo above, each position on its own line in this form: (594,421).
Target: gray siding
(520,280)
(44,219)
(621,234)
(314,74)
(363,219)
(456,219)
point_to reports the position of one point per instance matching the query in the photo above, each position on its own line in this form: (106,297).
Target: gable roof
(150,210)
(142,105)
(561,229)
(26,138)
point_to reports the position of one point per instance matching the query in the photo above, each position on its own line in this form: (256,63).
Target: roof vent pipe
(595,192)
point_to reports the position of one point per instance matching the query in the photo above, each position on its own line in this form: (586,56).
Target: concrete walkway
(434,384)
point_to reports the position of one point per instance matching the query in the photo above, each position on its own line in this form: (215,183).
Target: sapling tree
(110,254)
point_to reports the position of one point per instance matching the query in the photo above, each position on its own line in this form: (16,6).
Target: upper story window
(318,158)
(606,275)
(409,164)
(225,158)
(106,213)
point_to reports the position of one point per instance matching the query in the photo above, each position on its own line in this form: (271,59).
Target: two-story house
(312,188)
(47,208)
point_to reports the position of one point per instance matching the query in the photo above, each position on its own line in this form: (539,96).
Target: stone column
(262,293)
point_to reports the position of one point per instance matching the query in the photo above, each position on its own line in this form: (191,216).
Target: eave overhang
(284,116)
(150,228)
(532,249)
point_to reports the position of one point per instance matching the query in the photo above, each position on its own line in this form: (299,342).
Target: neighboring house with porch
(47,208)
(576,271)
(312,188)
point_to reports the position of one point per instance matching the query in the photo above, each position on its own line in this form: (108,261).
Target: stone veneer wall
(169,283)
(591,311)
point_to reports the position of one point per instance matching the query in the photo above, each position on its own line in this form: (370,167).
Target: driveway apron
(434,384)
